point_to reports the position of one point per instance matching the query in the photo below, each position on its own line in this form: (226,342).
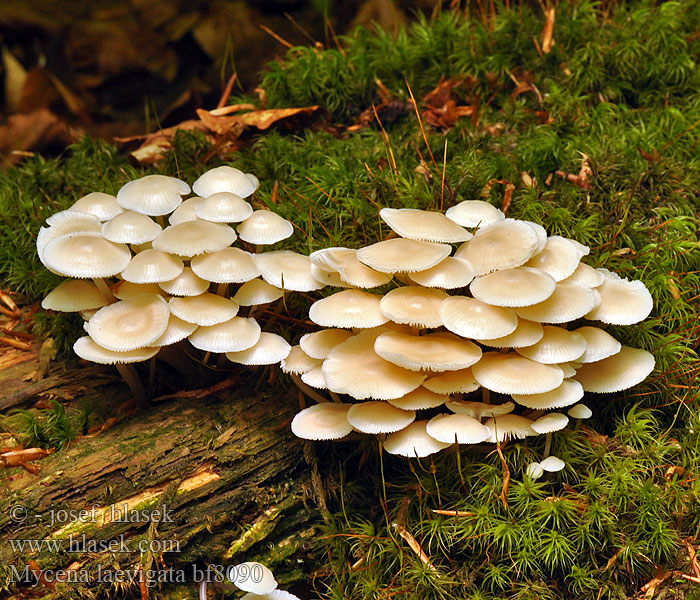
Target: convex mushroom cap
(152,266)
(414,305)
(103,206)
(326,421)
(287,270)
(85,255)
(556,346)
(462,429)
(223,207)
(233,335)
(451,273)
(559,258)
(413,441)
(379,417)
(130,227)
(192,238)
(349,308)
(622,302)
(86,348)
(472,318)
(205,309)
(510,373)
(153,195)
(432,352)
(522,286)
(569,392)
(268,350)
(225,179)
(401,254)
(618,372)
(474,213)
(265,227)
(74,295)
(424,225)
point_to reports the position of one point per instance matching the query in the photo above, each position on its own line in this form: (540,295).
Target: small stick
(415,546)
(453,513)
(15,343)
(311,393)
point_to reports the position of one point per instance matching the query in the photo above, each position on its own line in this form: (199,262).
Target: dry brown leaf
(260,119)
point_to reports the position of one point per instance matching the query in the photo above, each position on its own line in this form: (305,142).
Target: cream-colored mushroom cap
(192,238)
(265,227)
(299,362)
(479,410)
(569,392)
(74,295)
(330,259)
(206,309)
(330,278)
(580,411)
(502,245)
(379,417)
(623,302)
(86,348)
(599,344)
(550,422)
(353,367)
(474,213)
(522,286)
(424,225)
(506,427)
(568,368)
(618,372)
(570,301)
(233,335)
(129,324)
(130,227)
(223,207)
(268,350)
(349,308)
(413,441)
(452,382)
(534,470)
(176,331)
(153,195)
(287,270)
(103,206)
(526,333)
(320,343)
(586,275)
(185,284)
(315,378)
(450,274)
(559,258)
(474,319)
(125,289)
(541,236)
(229,265)
(354,273)
(63,223)
(511,373)
(186,211)
(419,399)
(254,577)
(256,292)
(273,595)
(327,421)
(462,429)
(401,254)
(432,352)
(552,464)
(152,266)
(414,305)
(224,179)
(556,346)
(85,255)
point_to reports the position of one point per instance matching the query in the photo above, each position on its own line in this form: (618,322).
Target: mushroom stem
(335,397)
(129,375)
(307,390)
(151,376)
(485,395)
(206,358)
(104,289)
(160,219)
(221,289)
(547,445)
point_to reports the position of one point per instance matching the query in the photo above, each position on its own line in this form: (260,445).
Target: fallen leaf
(260,119)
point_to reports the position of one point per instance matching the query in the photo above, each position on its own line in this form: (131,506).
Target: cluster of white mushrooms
(502,328)
(168,283)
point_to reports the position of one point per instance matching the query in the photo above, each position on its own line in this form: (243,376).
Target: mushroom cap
(331,259)
(319,343)
(74,295)
(265,227)
(424,225)
(129,324)
(452,382)
(522,286)
(299,362)
(510,373)
(622,302)
(234,335)
(569,392)
(570,301)
(63,223)
(450,274)
(186,211)
(379,417)
(526,333)
(185,284)
(273,595)
(327,421)
(83,255)
(501,245)
(432,352)
(552,464)
(618,372)
(268,350)
(559,258)
(125,289)
(349,308)
(152,266)
(401,254)
(224,179)
(580,411)
(331,278)
(86,348)
(556,346)
(414,305)
(194,237)
(130,227)
(568,368)
(550,422)
(254,577)
(534,470)
(205,310)
(287,270)
(413,441)
(599,344)
(223,207)
(474,213)
(354,368)
(472,318)
(153,195)
(229,265)
(479,410)
(541,236)
(510,426)
(586,275)
(353,272)
(176,331)
(451,428)
(256,292)
(315,378)
(419,399)
(103,206)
